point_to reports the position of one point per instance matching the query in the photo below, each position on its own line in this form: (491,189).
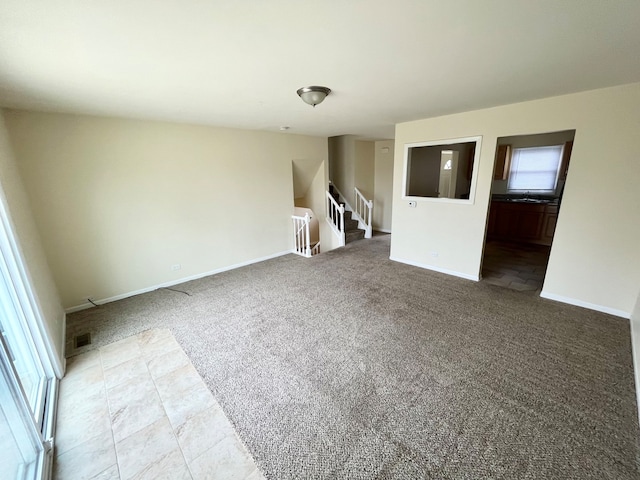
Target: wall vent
(81,340)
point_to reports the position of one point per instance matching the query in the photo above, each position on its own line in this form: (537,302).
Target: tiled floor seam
(136,365)
(106,394)
(97,475)
(234,435)
(173,430)
(188,464)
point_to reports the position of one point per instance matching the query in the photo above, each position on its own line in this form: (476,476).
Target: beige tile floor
(516,266)
(137,409)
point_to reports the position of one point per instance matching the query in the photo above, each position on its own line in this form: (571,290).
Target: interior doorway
(526,196)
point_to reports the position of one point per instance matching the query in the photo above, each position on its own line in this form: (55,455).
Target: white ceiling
(238,63)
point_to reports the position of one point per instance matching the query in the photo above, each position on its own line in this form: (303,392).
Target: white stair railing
(362,213)
(301,236)
(342,198)
(335,217)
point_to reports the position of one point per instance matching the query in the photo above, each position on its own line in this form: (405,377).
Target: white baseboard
(466,276)
(84,306)
(590,306)
(382,230)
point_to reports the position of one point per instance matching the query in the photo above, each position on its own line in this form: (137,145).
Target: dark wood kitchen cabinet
(549,224)
(522,222)
(503,162)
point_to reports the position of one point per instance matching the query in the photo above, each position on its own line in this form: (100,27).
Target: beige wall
(316,199)
(304,172)
(29,239)
(424,180)
(463,184)
(352,164)
(383,185)
(341,164)
(595,259)
(364,168)
(118,202)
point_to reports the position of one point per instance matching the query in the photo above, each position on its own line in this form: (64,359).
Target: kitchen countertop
(529,200)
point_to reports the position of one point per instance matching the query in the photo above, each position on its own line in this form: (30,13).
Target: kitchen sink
(529,200)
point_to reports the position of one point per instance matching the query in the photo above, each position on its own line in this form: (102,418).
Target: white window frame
(28,439)
(31,321)
(452,141)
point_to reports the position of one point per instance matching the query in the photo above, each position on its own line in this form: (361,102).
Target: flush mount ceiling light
(313,95)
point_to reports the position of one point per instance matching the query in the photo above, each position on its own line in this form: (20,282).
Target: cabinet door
(503,162)
(549,226)
(506,221)
(566,156)
(529,224)
(493,214)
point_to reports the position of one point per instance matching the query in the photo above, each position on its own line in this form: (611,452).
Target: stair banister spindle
(307,220)
(335,217)
(302,236)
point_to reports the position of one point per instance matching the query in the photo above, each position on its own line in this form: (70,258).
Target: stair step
(353,235)
(350,224)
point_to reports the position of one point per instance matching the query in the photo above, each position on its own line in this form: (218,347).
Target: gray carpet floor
(348,365)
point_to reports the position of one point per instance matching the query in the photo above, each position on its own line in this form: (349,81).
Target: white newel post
(369,228)
(295,234)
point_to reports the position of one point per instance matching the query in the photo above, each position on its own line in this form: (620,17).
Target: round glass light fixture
(313,95)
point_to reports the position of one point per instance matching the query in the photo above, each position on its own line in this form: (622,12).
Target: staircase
(351,230)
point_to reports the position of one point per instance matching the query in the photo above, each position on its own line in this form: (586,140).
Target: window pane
(20,350)
(26,412)
(535,169)
(11,457)
(440,170)
(19,443)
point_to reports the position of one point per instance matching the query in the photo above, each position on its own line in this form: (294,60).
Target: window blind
(535,168)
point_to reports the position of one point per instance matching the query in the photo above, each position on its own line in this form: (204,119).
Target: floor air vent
(81,340)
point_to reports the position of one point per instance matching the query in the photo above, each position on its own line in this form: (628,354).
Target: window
(442,169)
(28,388)
(535,169)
